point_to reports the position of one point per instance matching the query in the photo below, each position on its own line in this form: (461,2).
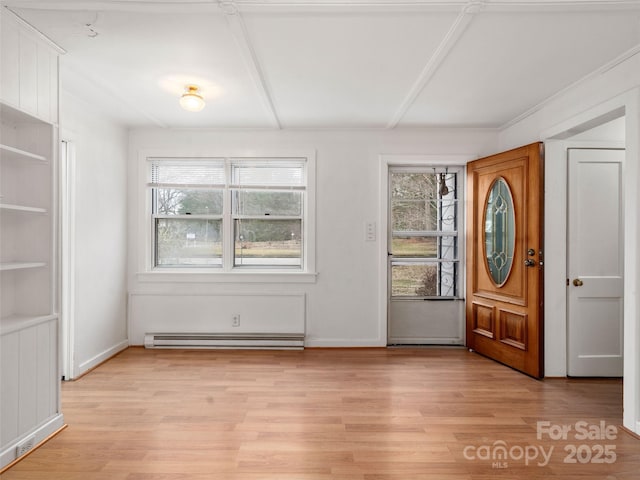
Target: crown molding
(34,31)
(603,69)
(195,6)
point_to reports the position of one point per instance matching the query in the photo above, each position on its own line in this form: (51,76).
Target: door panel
(504,312)
(595,263)
(429,322)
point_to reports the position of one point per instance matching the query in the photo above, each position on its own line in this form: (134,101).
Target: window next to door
(424,212)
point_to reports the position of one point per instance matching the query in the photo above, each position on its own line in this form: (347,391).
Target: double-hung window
(228,213)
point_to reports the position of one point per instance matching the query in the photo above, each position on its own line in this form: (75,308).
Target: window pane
(426,247)
(414,280)
(414,215)
(267,203)
(268,173)
(414,205)
(268,243)
(189,172)
(424,280)
(186,242)
(173,201)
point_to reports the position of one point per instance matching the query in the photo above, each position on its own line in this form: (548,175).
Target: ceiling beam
(456,31)
(251,61)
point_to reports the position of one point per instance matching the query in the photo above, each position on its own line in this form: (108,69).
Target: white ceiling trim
(195,6)
(35,31)
(456,31)
(605,68)
(240,35)
(116,6)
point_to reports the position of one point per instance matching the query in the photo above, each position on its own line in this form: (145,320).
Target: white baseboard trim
(40,434)
(344,343)
(101,357)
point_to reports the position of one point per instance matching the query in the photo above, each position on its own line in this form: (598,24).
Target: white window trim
(147,272)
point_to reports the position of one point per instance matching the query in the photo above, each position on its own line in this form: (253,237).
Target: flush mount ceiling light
(191,100)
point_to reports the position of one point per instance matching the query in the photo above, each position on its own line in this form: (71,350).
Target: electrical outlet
(25,445)
(235,320)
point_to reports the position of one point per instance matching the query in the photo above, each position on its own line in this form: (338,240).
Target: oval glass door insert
(499,231)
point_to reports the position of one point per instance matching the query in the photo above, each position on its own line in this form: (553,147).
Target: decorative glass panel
(499,231)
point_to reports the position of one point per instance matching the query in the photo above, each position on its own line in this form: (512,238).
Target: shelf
(15,323)
(21,208)
(20,265)
(14,115)
(12,153)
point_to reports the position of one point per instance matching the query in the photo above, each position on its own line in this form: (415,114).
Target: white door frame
(555,262)
(67,257)
(387,161)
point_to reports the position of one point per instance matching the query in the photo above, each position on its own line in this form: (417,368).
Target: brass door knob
(577,282)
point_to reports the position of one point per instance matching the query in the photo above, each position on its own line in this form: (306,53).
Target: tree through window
(424,232)
(239,212)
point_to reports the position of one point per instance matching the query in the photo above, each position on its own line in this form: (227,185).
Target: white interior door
(595,263)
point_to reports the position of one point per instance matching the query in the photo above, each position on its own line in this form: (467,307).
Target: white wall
(612,90)
(342,305)
(100,241)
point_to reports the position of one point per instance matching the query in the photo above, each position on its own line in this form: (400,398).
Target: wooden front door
(504,258)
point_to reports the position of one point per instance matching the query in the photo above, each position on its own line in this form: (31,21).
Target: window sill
(216,276)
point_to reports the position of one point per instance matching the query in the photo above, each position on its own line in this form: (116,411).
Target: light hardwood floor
(321,414)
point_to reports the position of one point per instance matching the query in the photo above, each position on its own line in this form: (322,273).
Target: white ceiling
(333,63)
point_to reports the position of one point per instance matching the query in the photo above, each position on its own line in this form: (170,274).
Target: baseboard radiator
(275,341)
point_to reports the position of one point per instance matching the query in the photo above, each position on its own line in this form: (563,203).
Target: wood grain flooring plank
(324,414)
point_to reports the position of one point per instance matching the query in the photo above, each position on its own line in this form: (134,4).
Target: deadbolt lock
(531,252)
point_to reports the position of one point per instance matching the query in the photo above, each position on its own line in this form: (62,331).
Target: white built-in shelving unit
(26,234)
(29,321)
